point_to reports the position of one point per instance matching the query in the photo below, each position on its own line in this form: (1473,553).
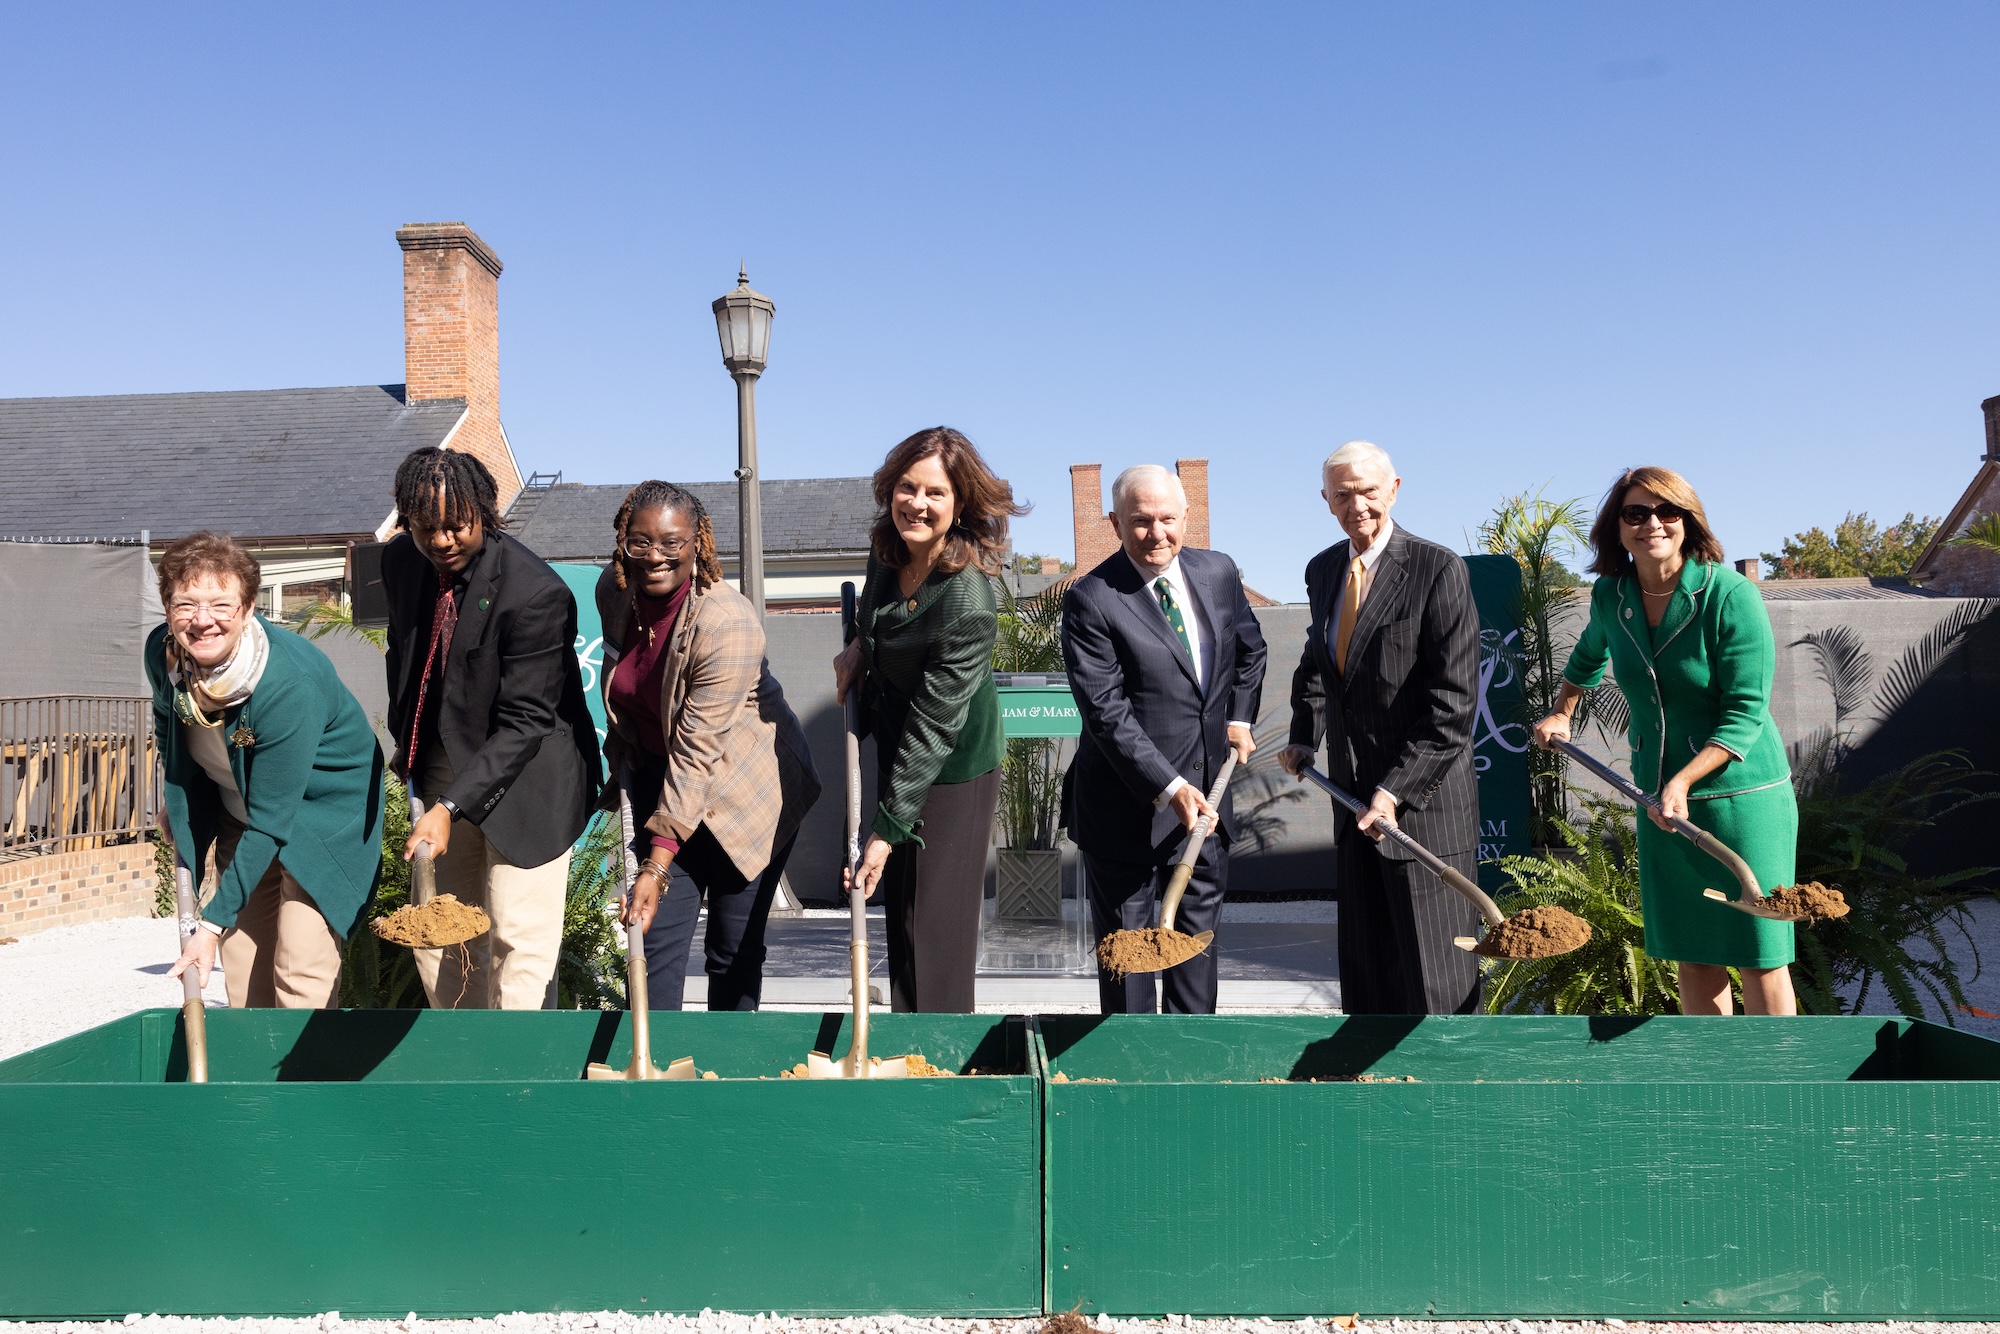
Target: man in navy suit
(1166,661)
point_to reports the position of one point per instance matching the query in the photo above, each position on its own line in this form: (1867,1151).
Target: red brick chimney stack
(451,337)
(1194,480)
(1095,540)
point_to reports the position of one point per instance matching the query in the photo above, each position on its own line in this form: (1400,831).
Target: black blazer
(1402,717)
(522,745)
(1146,720)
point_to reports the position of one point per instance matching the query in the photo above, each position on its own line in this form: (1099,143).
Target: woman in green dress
(1689,643)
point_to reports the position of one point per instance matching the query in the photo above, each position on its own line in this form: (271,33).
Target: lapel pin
(484,603)
(242,738)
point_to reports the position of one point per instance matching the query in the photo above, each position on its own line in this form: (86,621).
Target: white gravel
(723,1322)
(59,982)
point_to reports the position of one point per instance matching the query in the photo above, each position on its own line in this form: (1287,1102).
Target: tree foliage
(1856,548)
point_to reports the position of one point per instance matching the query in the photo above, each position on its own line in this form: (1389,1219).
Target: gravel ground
(55,983)
(722,1322)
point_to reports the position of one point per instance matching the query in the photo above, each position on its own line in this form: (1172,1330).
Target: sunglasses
(1666,512)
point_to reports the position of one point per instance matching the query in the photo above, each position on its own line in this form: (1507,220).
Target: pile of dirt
(1365,1077)
(443,921)
(1147,950)
(920,1068)
(1812,901)
(1060,1078)
(1067,1322)
(1535,933)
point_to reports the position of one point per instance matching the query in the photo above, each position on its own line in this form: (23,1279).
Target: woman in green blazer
(924,664)
(270,761)
(1689,643)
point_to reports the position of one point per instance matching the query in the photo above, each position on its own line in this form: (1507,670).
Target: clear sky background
(1516,244)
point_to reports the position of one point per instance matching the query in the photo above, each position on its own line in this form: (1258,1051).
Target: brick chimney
(451,337)
(1095,540)
(1194,480)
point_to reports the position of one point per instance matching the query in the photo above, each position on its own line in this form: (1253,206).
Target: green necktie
(1173,611)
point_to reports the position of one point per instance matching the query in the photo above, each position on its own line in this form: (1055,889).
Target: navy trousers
(1124,895)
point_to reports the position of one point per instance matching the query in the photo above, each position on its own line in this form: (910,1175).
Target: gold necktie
(1350,611)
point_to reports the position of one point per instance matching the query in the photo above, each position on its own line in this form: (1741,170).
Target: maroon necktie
(443,621)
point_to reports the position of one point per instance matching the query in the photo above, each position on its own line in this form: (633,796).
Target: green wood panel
(1674,1169)
(376,1194)
(1530,1049)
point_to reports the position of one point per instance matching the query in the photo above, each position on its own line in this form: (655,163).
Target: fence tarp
(77,616)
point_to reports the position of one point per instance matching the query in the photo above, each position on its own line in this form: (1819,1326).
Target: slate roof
(1841,590)
(802,516)
(256,463)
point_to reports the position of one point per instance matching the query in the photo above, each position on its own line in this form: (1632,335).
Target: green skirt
(1760,827)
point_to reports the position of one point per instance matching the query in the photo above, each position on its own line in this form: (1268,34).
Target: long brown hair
(665,495)
(1698,542)
(984,503)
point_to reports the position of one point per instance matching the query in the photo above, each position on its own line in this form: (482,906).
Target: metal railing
(76,771)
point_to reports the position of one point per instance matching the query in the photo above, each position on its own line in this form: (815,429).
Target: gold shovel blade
(821,1066)
(1754,909)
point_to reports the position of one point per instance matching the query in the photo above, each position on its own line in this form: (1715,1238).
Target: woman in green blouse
(269,762)
(1689,643)
(924,664)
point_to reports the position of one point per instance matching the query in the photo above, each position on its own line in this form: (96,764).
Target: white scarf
(229,684)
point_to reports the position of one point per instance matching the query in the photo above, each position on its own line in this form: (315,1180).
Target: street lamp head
(743,323)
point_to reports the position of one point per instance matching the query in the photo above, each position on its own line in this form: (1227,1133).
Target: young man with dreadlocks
(492,731)
(703,742)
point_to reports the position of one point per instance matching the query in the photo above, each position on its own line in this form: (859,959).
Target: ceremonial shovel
(1753,893)
(1124,952)
(194,1014)
(637,1001)
(856,1064)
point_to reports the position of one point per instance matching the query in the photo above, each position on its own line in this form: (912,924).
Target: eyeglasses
(221,611)
(1666,512)
(638,548)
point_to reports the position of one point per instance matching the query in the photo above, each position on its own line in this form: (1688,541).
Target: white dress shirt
(1201,637)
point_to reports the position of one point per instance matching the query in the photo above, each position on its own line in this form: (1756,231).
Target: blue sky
(1515,244)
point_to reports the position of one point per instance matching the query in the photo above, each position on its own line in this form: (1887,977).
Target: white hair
(1359,454)
(1138,475)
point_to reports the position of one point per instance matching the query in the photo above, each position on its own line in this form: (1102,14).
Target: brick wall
(1194,480)
(67,888)
(1095,540)
(451,336)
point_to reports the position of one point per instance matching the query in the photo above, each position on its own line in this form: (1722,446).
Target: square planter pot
(1027,883)
(458,1163)
(1666,1168)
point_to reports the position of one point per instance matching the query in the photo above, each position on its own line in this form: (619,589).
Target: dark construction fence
(76,771)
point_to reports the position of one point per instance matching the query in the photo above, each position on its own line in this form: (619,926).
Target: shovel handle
(637,1000)
(423,867)
(1746,879)
(1170,903)
(1430,861)
(857,902)
(194,1013)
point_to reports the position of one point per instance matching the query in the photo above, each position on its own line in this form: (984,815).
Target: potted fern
(1027,877)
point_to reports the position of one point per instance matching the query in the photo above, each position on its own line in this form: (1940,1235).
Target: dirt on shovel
(1812,901)
(1147,950)
(441,922)
(1535,933)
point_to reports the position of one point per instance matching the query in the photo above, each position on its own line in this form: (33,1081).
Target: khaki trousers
(509,967)
(281,954)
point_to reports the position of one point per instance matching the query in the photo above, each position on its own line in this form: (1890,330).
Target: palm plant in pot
(1028,869)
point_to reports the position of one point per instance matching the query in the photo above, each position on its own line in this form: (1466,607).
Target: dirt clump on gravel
(1535,933)
(1812,901)
(1146,950)
(1067,1322)
(443,921)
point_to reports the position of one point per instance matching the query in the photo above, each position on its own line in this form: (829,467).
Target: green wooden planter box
(1668,1168)
(380,1162)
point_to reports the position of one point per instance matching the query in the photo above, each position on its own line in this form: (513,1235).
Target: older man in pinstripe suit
(1390,681)
(1166,661)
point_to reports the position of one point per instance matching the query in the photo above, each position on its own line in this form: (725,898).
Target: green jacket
(929,697)
(309,769)
(1708,679)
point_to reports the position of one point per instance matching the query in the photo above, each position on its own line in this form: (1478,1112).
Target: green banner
(582,581)
(1037,710)
(1500,729)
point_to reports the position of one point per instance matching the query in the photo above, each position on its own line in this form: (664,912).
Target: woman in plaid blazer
(702,740)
